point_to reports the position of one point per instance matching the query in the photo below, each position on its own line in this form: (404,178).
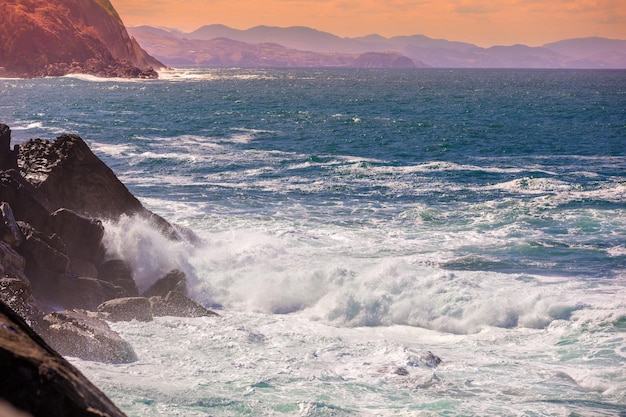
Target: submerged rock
(126,309)
(178,305)
(37,380)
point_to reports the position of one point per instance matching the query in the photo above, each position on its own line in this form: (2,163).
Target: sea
(377,242)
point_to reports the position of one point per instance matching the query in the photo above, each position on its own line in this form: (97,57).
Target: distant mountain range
(219,45)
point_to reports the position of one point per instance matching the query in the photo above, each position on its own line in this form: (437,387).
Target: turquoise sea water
(354,220)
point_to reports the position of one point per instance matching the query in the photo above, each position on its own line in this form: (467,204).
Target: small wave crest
(28,126)
(96,79)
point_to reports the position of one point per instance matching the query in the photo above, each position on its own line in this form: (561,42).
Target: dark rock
(126,309)
(118,273)
(5,143)
(45,260)
(178,305)
(401,371)
(11,262)
(63,251)
(18,295)
(7,410)
(7,158)
(66,174)
(82,268)
(175,280)
(37,380)
(6,155)
(83,292)
(83,335)
(427,359)
(21,196)
(9,231)
(82,235)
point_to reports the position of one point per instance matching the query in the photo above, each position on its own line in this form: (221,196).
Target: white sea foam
(149,253)
(97,79)
(288,365)
(337,278)
(115,150)
(28,126)
(207,74)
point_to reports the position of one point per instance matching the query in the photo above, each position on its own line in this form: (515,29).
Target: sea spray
(150,253)
(253,271)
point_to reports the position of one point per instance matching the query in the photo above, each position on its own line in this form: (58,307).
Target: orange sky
(482,22)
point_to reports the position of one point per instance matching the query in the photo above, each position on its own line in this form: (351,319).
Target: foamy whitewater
(377,242)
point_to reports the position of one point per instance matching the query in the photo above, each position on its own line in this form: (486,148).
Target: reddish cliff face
(57,37)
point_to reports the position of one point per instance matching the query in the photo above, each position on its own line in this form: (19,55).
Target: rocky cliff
(58,37)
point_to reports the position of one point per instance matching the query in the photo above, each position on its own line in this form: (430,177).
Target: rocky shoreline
(58,285)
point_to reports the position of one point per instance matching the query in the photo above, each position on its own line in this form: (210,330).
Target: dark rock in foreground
(37,380)
(84,335)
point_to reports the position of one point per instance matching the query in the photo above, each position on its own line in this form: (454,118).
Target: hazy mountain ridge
(177,49)
(570,53)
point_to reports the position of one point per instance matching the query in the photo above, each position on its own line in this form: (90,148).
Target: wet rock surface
(38,381)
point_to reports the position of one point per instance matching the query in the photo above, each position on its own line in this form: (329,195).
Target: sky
(481,22)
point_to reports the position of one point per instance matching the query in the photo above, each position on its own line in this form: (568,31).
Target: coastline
(56,276)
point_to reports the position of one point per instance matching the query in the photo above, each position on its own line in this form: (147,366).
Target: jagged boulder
(175,280)
(7,159)
(178,305)
(83,292)
(9,230)
(22,197)
(83,335)
(118,273)
(11,263)
(37,380)
(82,235)
(66,174)
(18,295)
(126,309)
(45,260)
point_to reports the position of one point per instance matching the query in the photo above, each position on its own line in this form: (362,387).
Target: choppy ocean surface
(360,225)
